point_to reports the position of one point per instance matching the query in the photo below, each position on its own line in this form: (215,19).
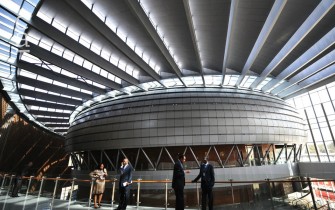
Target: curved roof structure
(56,57)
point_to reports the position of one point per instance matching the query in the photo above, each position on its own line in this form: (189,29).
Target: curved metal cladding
(186,116)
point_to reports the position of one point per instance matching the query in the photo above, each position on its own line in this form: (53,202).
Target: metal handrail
(165,182)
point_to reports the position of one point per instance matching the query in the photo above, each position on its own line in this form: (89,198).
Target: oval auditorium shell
(185,117)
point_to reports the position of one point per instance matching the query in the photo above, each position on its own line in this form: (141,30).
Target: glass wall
(317,107)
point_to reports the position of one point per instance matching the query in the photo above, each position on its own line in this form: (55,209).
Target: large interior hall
(91,90)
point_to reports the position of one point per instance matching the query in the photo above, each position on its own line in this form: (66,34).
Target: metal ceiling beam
(52,125)
(318,13)
(79,49)
(49,97)
(48,104)
(328,72)
(310,70)
(70,66)
(312,87)
(51,87)
(323,44)
(188,13)
(231,24)
(113,38)
(52,120)
(48,113)
(59,77)
(137,10)
(60,130)
(271,20)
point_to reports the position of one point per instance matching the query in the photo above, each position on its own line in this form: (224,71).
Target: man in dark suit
(178,181)
(124,184)
(207,182)
(25,171)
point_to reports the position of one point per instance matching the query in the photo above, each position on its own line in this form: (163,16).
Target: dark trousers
(179,199)
(17,186)
(124,197)
(207,194)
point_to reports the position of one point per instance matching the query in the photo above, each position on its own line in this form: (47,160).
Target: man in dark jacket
(207,182)
(124,185)
(178,181)
(25,171)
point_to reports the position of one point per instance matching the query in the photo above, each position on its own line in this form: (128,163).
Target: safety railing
(258,194)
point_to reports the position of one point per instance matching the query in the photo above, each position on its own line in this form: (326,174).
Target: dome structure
(186,117)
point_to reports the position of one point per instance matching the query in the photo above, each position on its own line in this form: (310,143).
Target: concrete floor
(32,203)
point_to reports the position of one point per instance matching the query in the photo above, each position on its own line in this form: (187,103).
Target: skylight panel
(44,79)
(28,97)
(73,88)
(26,10)
(129,69)
(76,98)
(105,54)
(27,87)
(87,3)
(86,91)
(78,60)
(60,84)
(247,81)
(58,25)
(67,73)
(45,45)
(226,80)
(84,42)
(53,93)
(189,81)
(233,80)
(27,74)
(55,68)
(32,39)
(98,13)
(265,81)
(279,83)
(103,73)
(172,82)
(68,55)
(136,73)
(87,64)
(51,110)
(96,69)
(14,7)
(117,80)
(43,109)
(95,48)
(7,70)
(198,80)
(57,49)
(99,85)
(44,17)
(8,85)
(111,77)
(71,33)
(30,58)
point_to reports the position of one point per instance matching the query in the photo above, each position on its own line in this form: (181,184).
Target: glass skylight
(247,81)
(131,70)
(213,80)
(266,81)
(110,23)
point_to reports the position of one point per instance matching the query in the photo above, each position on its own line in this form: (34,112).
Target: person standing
(25,171)
(178,181)
(126,171)
(207,182)
(99,176)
